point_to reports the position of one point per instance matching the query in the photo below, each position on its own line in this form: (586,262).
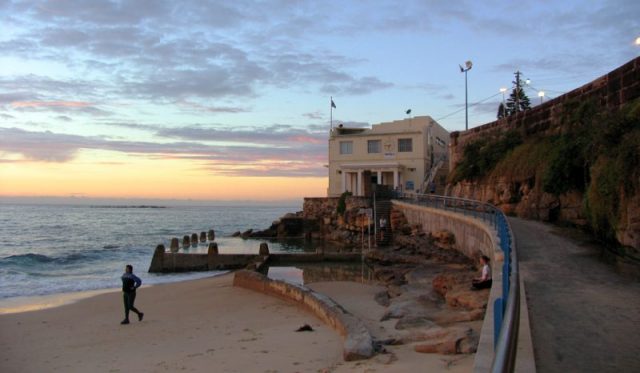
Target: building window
(373,146)
(405,145)
(346,147)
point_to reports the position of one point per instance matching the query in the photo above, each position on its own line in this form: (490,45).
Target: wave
(31,259)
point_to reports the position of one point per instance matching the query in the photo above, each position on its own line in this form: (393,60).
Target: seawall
(472,237)
(358,342)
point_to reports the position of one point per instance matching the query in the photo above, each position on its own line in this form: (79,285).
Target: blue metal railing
(506,310)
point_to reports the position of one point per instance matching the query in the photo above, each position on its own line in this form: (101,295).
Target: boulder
(443,239)
(213,249)
(454,341)
(467,299)
(186,241)
(203,236)
(194,239)
(211,235)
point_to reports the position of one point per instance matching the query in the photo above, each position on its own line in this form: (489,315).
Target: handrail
(507,308)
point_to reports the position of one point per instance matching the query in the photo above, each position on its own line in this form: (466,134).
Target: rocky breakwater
(291,225)
(322,220)
(428,297)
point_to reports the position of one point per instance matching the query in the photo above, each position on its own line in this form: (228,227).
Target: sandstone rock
(247,233)
(408,322)
(213,249)
(449,316)
(186,241)
(203,236)
(467,299)
(443,239)
(382,298)
(453,342)
(445,282)
(236,234)
(194,239)
(211,235)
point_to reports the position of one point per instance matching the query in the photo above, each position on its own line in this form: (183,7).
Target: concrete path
(584,316)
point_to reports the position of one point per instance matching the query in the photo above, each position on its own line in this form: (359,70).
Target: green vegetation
(342,203)
(480,157)
(596,153)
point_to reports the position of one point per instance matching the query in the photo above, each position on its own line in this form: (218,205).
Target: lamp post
(638,40)
(503,90)
(541,95)
(467,66)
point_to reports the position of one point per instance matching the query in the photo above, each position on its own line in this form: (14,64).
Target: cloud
(314,115)
(210,109)
(277,135)
(294,156)
(59,107)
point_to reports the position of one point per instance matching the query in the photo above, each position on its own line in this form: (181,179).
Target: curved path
(584,316)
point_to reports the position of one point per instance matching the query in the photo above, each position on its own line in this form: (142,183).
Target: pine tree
(501,111)
(518,100)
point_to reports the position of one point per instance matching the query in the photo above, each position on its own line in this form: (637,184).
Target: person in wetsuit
(130,283)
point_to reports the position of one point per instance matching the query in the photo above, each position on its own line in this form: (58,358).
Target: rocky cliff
(573,159)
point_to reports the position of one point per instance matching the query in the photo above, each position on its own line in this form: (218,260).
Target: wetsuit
(130,283)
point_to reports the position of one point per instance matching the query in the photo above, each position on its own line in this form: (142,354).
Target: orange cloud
(35,104)
(306,139)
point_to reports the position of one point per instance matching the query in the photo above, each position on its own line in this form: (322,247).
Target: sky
(230,100)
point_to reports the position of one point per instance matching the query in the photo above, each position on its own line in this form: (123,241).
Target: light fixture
(468,65)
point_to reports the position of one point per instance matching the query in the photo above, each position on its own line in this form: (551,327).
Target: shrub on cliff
(481,156)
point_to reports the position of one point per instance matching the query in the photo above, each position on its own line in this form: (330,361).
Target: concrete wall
(472,236)
(358,343)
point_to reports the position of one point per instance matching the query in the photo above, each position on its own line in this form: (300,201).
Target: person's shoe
(140,316)
(124,322)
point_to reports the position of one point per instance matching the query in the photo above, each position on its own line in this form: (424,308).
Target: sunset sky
(229,100)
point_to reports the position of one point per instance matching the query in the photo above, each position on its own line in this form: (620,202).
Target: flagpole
(331,111)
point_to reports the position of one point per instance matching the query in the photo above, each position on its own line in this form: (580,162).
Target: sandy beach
(199,325)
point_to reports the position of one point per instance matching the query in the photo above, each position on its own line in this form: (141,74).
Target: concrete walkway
(584,316)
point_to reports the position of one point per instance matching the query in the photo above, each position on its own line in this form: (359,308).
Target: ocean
(52,249)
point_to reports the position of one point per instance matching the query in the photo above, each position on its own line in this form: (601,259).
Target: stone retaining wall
(358,343)
(610,92)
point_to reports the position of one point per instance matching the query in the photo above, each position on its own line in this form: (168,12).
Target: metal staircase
(429,184)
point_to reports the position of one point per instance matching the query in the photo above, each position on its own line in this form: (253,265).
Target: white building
(407,155)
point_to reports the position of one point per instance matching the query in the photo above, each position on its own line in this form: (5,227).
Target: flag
(333,104)
(408,111)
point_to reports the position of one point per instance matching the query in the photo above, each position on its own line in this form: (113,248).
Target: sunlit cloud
(35,104)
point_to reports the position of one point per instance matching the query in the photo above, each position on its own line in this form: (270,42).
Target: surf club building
(407,155)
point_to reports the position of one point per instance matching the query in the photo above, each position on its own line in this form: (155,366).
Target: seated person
(484,281)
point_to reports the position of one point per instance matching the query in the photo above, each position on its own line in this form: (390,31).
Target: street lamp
(503,90)
(638,40)
(467,66)
(541,95)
